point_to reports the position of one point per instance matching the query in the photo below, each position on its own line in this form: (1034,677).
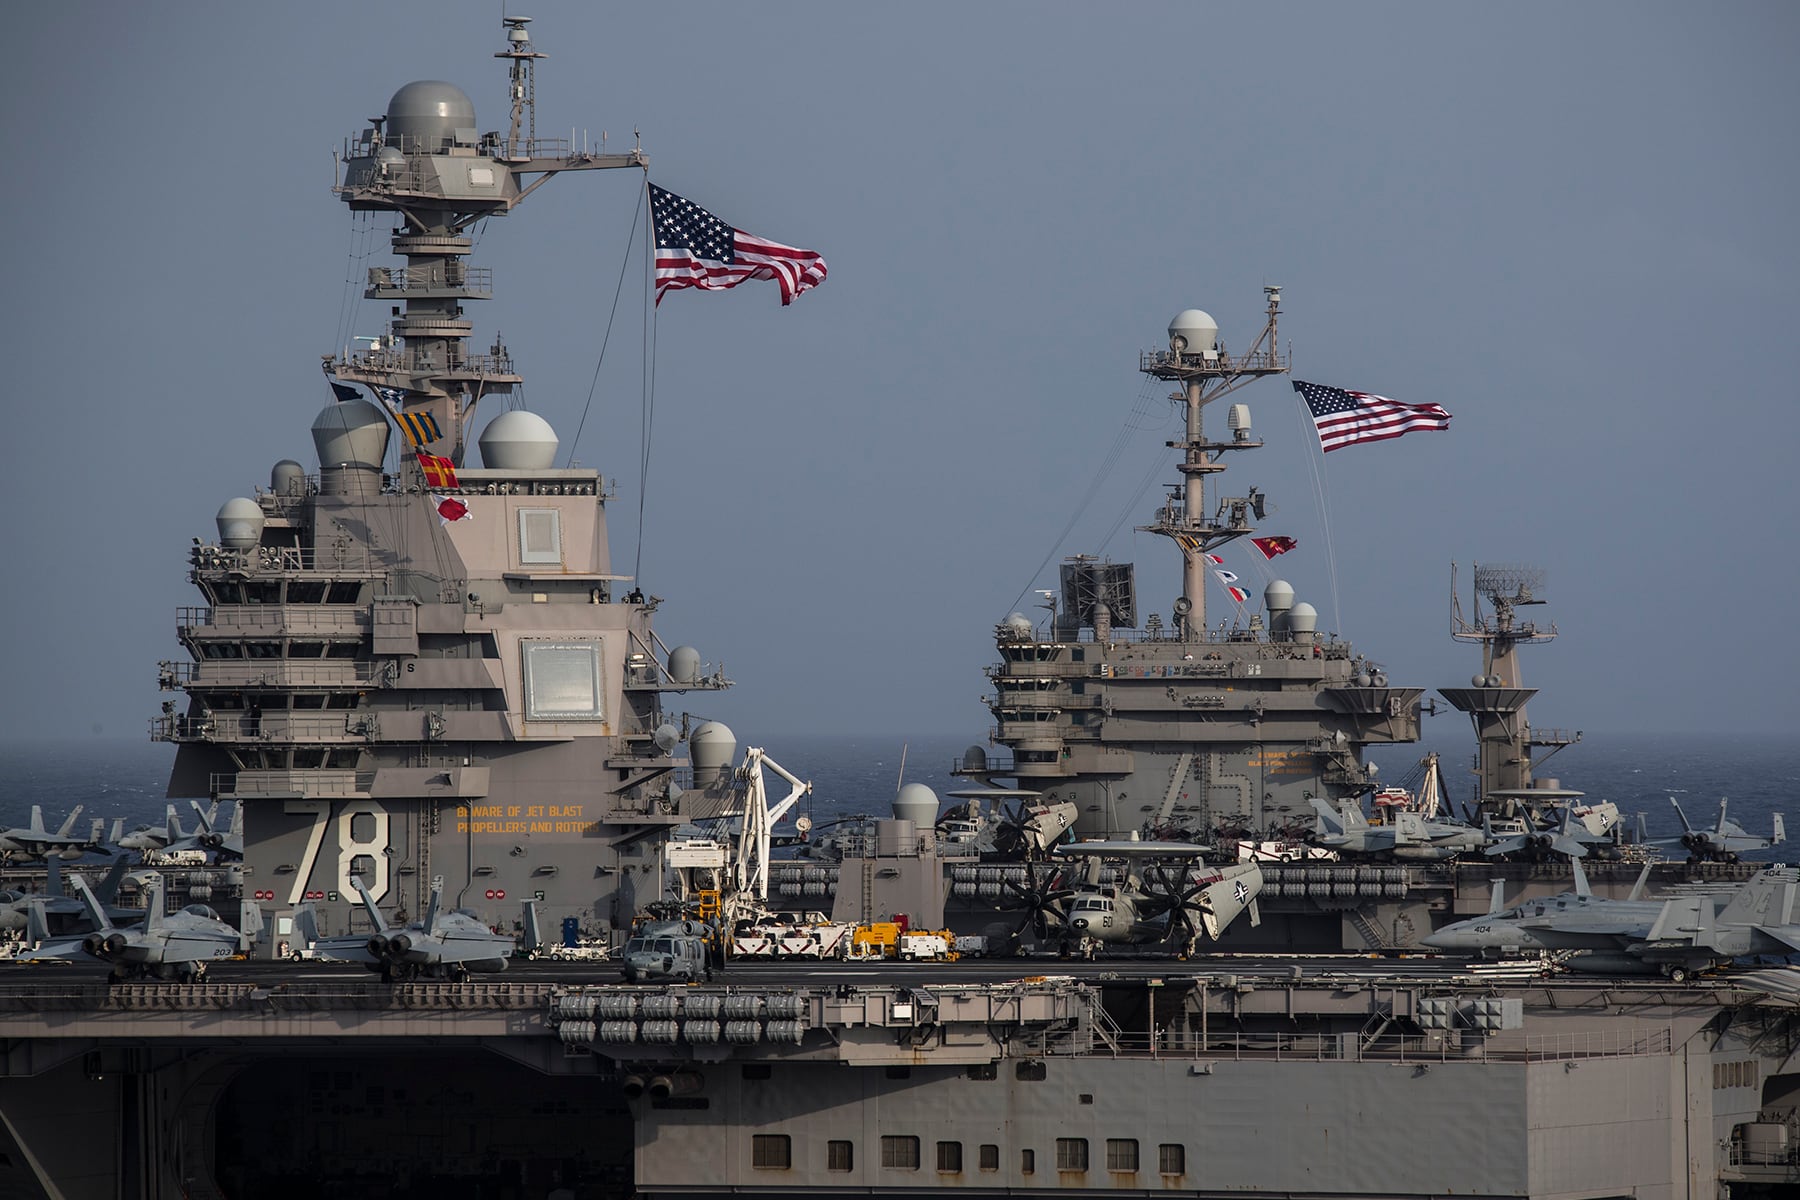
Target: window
(1121,1154)
(750,1070)
(540,536)
(1027,1161)
(1030,1069)
(1071,1154)
(771,1152)
(950,1156)
(562,681)
(838,1156)
(990,1157)
(900,1153)
(1171,1158)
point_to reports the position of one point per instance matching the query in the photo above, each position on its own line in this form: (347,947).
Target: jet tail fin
(369,905)
(1761,899)
(37,929)
(37,820)
(534,935)
(1581,879)
(1497,899)
(1780,831)
(153,905)
(53,884)
(1681,816)
(95,910)
(108,891)
(67,829)
(437,896)
(1637,889)
(250,925)
(306,923)
(1221,902)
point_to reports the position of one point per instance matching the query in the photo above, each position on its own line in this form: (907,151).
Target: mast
(1198,362)
(425,163)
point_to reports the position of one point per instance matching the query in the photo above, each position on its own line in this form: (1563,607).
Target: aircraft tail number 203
(348,846)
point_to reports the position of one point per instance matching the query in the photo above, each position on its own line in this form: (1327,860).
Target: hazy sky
(1571,225)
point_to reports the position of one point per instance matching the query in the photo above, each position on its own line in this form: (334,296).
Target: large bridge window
(562,681)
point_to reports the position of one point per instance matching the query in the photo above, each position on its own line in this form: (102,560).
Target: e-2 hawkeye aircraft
(1150,904)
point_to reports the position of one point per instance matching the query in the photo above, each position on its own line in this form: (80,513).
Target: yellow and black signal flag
(420,428)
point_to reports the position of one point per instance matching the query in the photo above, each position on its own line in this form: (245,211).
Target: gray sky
(1572,225)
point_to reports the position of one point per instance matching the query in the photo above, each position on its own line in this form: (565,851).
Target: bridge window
(990,1157)
(771,1152)
(1171,1158)
(562,681)
(899,1153)
(1121,1154)
(950,1157)
(1071,1154)
(839,1156)
(540,536)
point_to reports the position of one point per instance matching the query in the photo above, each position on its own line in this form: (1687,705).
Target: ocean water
(859,774)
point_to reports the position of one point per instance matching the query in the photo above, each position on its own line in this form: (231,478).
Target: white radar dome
(711,748)
(425,117)
(684,664)
(916,803)
(1303,618)
(519,441)
(1193,332)
(240,522)
(351,434)
(1279,596)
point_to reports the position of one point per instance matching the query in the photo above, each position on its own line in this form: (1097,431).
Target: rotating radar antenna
(1507,587)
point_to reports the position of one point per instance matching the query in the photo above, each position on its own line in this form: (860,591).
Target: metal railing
(465,279)
(275,619)
(1351,1046)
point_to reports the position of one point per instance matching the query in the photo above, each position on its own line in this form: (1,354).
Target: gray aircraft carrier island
(1330,1081)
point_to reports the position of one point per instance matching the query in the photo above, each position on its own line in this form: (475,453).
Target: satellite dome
(519,441)
(684,664)
(351,434)
(1193,332)
(240,523)
(1279,596)
(287,478)
(667,737)
(1303,618)
(711,748)
(425,117)
(974,759)
(916,803)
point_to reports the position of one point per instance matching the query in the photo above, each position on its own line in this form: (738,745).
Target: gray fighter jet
(175,945)
(35,841)
(1410,835)
(444,945)
(1724,841)
(55,907)
(1673,936)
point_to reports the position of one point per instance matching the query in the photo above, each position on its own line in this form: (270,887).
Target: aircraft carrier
(393,695)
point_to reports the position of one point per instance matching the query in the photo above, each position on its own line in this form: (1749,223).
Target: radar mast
(1198,362)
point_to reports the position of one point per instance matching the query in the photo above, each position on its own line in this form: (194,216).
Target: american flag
(1345,418)
(696,249)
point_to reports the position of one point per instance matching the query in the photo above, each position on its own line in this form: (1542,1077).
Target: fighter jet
(1152,906)
(148,839)
(1410,835)
(1725,841)
(219,845)
(1674,936)
(443,945)
(35,841)
(175,945)
(54,905)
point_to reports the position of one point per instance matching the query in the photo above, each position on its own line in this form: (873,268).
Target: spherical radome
(519,441)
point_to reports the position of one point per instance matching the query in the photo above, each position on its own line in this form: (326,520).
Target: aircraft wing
(1787,935)
(1220,903)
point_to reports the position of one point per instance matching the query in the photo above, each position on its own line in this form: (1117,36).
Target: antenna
(521,87)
